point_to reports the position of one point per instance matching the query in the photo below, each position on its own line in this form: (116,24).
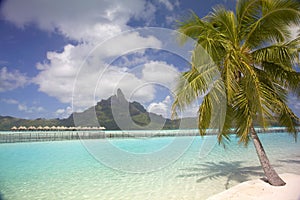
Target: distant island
(139,115)
(105,119)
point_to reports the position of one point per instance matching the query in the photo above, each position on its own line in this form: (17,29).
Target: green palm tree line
(243,65)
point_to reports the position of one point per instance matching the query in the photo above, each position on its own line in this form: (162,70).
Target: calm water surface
(67,169)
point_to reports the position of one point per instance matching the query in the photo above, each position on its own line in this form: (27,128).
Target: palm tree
(250,70)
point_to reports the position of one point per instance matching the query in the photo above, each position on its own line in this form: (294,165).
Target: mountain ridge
(114,113)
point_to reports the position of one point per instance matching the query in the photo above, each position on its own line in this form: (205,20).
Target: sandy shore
(260,190)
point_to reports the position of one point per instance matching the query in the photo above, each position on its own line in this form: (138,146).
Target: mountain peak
(114,113)
(120,94)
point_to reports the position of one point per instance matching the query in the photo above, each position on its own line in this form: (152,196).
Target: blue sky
(57,57)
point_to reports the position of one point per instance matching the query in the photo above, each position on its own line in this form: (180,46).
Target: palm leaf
(249,61)
(212,111)
(271,24)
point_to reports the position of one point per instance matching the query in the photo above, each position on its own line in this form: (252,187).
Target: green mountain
(114,113)
(6,122)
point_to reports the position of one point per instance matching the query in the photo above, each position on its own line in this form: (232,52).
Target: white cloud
(78,19)
(23,107)
(138,88)
(171,19)
(30,109)
(125,63)
(57,76)
(168,4)
(64,112)
(11,80)
(126,42)
(60,111)
(161,108)
(161,73)
(164,108)
(191,111)
(10,101)
(91,24)
(134,88)
(295,31)
(78,64)
(148,14)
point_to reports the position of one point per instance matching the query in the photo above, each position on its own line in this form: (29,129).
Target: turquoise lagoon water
(72,170)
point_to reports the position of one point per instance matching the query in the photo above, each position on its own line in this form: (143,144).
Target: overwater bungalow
(57,128)
(22,128)
(32,128)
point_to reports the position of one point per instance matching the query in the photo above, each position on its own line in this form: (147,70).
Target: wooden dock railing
(39,136)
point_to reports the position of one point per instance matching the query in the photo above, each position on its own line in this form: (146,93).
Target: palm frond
(288,119)
(249,60)
(193,27)
(227,126)
(212,112)
(242,114)
(224,22)
(247,13)
(275,101)
(197,81)
(205,34)
(287,78)
(193,84)
(285,54)
(271,24)
(230,75)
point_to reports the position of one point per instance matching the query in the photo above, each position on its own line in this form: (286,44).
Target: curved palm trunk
(270,173)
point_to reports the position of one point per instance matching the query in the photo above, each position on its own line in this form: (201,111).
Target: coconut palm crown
(254,56)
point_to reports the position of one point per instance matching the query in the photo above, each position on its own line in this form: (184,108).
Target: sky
(57,57)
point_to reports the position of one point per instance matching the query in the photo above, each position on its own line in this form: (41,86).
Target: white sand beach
(260,190)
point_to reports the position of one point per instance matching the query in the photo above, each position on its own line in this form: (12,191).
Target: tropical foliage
(250,70)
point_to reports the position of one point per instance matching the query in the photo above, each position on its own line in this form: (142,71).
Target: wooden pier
(39,136)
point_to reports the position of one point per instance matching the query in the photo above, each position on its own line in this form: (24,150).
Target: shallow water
(146,168)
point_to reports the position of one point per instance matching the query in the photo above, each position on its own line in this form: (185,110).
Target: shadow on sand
(232,171)
(296,160)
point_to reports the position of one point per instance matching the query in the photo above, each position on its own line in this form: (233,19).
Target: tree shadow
(294,161)
(232,171)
